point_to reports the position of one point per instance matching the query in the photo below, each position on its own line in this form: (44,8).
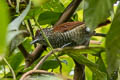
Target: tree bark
(79,73)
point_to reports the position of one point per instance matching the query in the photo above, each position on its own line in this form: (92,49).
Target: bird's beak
(34,41)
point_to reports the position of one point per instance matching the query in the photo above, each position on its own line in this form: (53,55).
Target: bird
(68,34)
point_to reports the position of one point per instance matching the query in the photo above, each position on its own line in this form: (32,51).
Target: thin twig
(100,34)
(11,69)
(42,60)
(104,23)
(35,71)
(31,31)
(37,66)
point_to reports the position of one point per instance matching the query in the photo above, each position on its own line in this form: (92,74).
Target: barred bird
(67,34)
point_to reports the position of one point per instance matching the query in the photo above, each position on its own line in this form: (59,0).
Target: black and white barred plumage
(74,37)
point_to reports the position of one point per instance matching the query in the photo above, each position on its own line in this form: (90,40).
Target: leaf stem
(11,69)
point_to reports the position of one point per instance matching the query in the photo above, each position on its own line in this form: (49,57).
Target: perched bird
(67,34)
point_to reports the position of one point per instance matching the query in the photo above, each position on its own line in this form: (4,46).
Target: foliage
(103,61)
(3,26)
(113,52)
(96,12)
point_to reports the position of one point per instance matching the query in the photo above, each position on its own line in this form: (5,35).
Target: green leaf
(15,60)
(14,39)
(27,44)
(67,65)
(89,50)
(4,18)
(113,44)
(77,54)
(48,17)
(101,67)
(15,24)
(34,12)
(50,5)
(81,59)
(54,5)
(50,64)
(39,2)
(65,2)
(15,36)
(96,11)
(12,34)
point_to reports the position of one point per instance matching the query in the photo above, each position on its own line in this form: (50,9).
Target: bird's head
(39,38)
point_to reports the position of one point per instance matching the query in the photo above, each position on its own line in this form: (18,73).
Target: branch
(68,12)
(23,50)
(38,50)
(35,71)
(35,54)
(100,34)
(43,60)
(79,71)
(37,66)
(104,23)
(26,55)
(30,58)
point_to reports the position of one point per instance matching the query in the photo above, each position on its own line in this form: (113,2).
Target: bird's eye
(40,34)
